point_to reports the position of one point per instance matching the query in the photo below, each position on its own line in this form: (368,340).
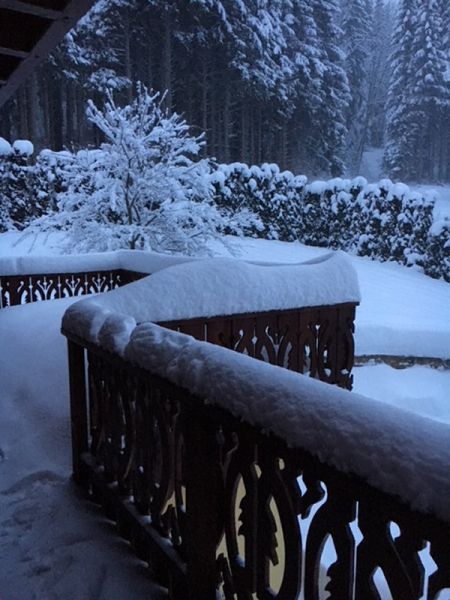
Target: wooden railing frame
(181,538)
(180,542)
(28,288)
(316,340)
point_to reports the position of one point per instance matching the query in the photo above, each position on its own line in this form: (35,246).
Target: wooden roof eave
(45,22)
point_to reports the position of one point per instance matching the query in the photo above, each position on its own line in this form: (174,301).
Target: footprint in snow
(29,480)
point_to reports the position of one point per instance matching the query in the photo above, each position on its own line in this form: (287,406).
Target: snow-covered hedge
(273,195)
(19,202)
(437,262)
(384,221)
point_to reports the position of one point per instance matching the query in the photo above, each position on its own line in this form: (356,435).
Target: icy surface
(219,286)
(354,433)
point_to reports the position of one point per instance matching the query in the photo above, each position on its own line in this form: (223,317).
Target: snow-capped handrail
(192,435)
(221,286)
(130,260)
(349,431)
(297,315)
(25,279)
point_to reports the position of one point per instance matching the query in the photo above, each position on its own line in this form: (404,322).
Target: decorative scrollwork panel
(314,341)
(298,520)
(22,289)
(277,524)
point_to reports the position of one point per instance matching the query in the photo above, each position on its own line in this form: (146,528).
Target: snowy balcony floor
(54,542)
(57,545)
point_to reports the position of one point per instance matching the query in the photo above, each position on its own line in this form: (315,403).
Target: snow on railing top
(132,260)
(395,450)
(216,287)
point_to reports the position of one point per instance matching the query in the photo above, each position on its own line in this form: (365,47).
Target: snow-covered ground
(402,312)
(58,546)
(53,544)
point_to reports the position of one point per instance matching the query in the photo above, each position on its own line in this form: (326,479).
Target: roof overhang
(29,31)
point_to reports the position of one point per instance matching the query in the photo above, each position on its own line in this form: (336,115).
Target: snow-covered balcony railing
(34,278)
(235,477)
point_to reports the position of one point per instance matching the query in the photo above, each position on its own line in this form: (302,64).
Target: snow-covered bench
(229,473)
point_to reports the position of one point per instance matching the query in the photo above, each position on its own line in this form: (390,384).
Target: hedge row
(384,221)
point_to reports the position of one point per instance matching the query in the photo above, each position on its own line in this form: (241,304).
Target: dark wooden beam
(65,19)
(31,9)
(14,53)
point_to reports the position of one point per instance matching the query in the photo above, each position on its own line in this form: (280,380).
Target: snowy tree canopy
(419,95)
(143,188)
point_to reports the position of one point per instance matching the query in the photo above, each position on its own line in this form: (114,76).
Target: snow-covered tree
(5,204)
(357,16)
(143,188)
(401,133)
(419,94)
(379,44)
(330,115)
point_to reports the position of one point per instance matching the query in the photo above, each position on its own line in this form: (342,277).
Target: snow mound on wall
(24,147)
(354,433)
(219,286)
(5,147)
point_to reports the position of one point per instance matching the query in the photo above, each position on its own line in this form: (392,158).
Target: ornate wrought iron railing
(220,509)
(23,289)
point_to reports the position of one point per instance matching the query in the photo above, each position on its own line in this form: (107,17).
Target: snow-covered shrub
(18,202)
(265,191)
(50,177)
(143,188)
(437,262)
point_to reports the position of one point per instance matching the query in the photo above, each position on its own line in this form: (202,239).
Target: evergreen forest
(307,84)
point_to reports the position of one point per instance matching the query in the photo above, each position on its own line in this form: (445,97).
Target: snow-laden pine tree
(418,100)
(99,47)
(430,90)
(330,116)
(379,44)
(17,202)
(357,19)
(401,131)
(6,152)
(143,188)
(308,76)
